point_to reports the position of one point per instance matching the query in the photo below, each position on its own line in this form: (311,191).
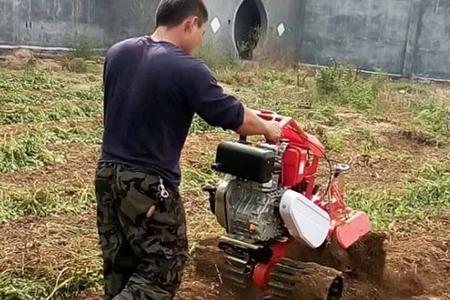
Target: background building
(405,37)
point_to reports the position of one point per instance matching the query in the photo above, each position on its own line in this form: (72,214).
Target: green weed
(324,114)
(200,126)
(14,288)
(333,141)
(428,194)
(28,98)
(69,135)
(42,202)
(24,98)
(74,64)
(29,151)
(213,58)
(60,111)
(343,86)
(194,177)
(31,79)
(25,288)
(367,141)
(25,152)
(434,121)
(413,88)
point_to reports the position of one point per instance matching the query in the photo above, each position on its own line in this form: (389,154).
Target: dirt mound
(18,59)
(365,260)
(21,58)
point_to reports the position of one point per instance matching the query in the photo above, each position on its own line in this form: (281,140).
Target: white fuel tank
(304,219)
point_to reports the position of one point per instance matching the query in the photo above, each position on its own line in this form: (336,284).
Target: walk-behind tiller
(268,199)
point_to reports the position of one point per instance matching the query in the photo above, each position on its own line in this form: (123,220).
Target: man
(153,87)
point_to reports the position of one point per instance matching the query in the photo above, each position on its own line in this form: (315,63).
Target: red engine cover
(301,159)
(294,163)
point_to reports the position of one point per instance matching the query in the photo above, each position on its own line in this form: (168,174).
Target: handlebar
(291,131)
(283,121)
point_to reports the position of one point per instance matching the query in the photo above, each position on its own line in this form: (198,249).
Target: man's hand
(254,125)
(273,132)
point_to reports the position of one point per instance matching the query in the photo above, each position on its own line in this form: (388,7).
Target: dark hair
(171,13)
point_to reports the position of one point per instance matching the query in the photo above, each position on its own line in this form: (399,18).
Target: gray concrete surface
(405,37)
(66,22)
(410,38)
(273,14)
(370,33)
(431,49)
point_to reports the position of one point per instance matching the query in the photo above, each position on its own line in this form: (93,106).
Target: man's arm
(207,98)
(254,125)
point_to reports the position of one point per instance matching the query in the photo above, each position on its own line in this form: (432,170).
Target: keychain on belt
(162,191)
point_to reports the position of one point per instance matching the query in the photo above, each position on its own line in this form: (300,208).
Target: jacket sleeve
(208,99)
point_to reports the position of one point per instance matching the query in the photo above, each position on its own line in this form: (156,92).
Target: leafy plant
(62,110)
(41,202)
(434,121)
(25,152)
(343,86)
(213,57)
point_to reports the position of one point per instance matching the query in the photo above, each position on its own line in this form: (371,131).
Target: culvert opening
(250,25)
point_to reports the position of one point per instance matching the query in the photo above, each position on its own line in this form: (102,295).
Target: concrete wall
(406,37)
(224,12)
(431,48)
(369,33)
(63,22)
(287,15)
(275,13)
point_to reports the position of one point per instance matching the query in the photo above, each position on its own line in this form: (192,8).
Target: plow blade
(353,229)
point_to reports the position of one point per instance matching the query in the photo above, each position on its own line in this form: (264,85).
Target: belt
(163,193)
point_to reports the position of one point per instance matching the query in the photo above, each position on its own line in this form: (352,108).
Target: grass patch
(406,87)
(19,288)
(69,135)
(29,98)
(367,141)
(431,124)
(269,88)
(31,79)
(343,86)
(42,202)
(37,96)
(325,115)
(72,63)
(24,153)
(214,58)
(29,150)
(427,195)
(60,111)
(14,288)
(333,141)
(17,98)
(197,174)
(194,179)
(200,126)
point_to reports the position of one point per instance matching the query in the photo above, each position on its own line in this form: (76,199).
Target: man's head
(186,18)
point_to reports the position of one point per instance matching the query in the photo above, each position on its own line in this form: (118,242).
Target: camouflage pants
(143,256)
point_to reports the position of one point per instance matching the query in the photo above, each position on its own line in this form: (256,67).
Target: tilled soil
(412,266)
